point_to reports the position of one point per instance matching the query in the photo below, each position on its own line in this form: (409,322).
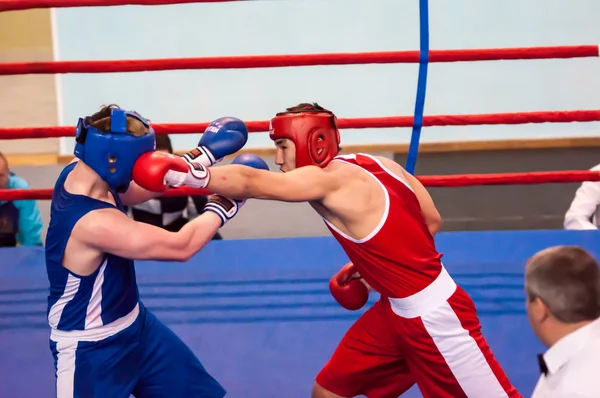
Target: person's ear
(539,310)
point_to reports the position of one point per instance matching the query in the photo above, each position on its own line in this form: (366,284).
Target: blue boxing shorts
(146,359)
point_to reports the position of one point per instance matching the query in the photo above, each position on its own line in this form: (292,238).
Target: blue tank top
(84,302)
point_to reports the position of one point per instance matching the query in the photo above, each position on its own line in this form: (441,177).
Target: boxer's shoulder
(340,166)
(106,217)
(100,231)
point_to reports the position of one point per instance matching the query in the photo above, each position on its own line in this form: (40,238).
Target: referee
(171,212)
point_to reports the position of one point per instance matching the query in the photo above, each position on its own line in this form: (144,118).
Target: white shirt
(585,206)
(573,366)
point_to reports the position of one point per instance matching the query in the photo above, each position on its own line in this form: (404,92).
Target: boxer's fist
(227,208)
(223,207)
(222,137)
(157,171)
(348,289)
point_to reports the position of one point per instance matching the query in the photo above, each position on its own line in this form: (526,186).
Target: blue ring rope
(413,149)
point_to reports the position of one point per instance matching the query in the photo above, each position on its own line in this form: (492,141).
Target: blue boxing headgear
(113,153)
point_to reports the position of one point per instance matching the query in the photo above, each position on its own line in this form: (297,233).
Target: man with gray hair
(562,284)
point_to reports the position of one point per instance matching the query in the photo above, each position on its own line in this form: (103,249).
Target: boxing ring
(262,326)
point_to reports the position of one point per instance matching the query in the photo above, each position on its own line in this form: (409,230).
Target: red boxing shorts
(400,342)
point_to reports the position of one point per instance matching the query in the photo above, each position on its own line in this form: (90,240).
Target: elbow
(578,223)
(434,228)
(568,222)
(434,225)
(176,251)
(183,253)
(183,256)
(188,246)
(575,217)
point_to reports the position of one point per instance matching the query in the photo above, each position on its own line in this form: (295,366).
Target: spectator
(562,284)
(584,212)
(170,213)
(20,220)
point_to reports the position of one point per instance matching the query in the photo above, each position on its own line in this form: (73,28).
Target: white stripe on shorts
(65,368)
(462,354)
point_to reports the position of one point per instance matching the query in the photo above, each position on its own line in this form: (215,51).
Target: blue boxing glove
(227,208)
(224,136)
(249,159)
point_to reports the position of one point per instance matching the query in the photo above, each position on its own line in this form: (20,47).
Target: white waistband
(99,333)
(434,295)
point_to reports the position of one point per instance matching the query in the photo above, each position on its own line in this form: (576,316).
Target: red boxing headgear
(313,130)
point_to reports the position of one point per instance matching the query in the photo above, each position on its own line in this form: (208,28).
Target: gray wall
(540,206)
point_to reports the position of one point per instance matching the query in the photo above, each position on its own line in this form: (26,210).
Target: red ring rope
(273,61)
(14,5)
(266,61)
(349,123)
(459,180)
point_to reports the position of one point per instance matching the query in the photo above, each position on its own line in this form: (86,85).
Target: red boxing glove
(156,171)
(348,289)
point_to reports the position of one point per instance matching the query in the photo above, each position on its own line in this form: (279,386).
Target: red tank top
(398,258)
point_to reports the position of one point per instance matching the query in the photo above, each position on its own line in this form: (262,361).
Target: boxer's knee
(320,392)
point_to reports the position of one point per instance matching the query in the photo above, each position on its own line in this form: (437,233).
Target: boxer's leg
(170,368)
(368,361)
(449,356)
(97,369)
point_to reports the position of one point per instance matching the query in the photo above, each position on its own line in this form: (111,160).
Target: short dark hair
(567,280)
(163,142)
(308,107)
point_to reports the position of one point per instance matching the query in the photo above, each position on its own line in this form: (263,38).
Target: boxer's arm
(428,209)
(430,212)
(111,231)
(300,185)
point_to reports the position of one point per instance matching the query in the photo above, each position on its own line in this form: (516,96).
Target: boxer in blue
(104,341)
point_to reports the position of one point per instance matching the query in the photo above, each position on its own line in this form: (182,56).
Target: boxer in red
(424,328)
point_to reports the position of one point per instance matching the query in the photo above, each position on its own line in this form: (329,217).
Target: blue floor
(258,312)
